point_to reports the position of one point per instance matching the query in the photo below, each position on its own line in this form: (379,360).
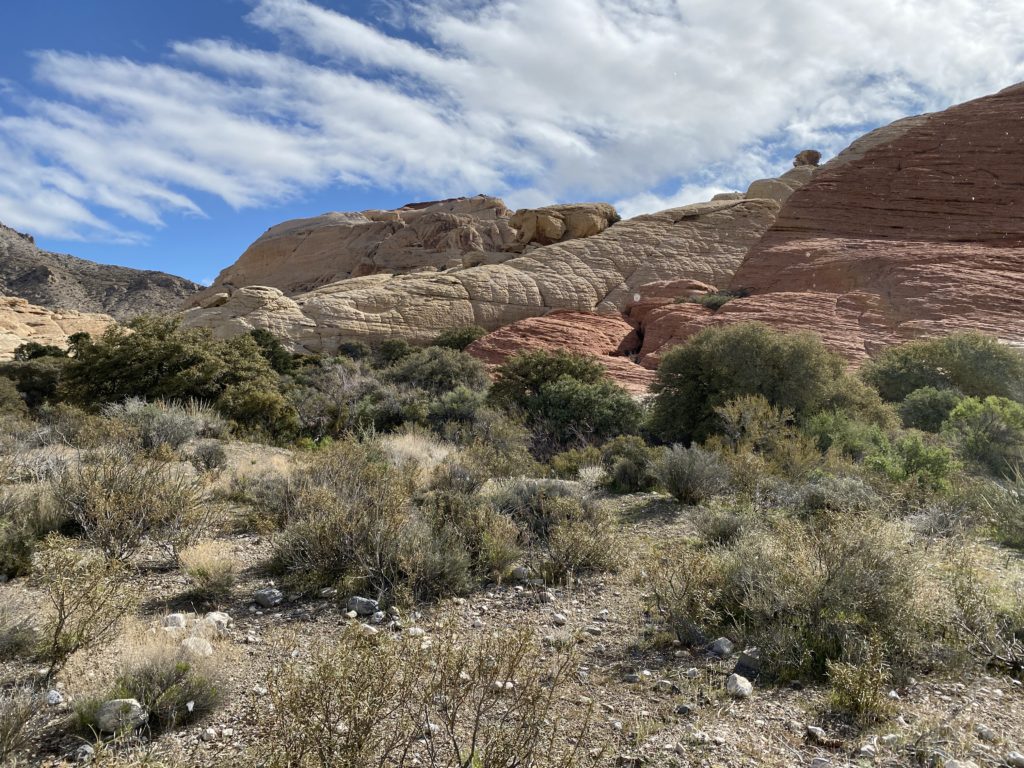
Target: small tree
(989,431)
(459,338)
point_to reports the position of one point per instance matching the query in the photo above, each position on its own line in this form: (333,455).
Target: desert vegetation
(219,553)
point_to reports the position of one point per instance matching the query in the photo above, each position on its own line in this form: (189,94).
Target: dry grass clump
(16,709)
(211,569)
(416,453)
(692,474)
(175,687)
(19,637)
(119,497)
(378,700)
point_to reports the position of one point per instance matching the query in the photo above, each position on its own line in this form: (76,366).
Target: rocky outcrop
(62,283)
(917,229)
(558,223)
(600,273)
(21,322)
(609,338)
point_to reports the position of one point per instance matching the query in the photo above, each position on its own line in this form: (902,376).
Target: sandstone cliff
(65,283)
(21,322)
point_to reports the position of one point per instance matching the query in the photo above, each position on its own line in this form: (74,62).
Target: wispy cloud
(534,100)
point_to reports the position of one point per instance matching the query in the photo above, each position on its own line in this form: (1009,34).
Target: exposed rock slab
(61,282)
(607,337)
(925,217)
(704,242)
(21,322)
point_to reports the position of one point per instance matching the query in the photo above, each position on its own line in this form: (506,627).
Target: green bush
(387,407)
(391,351)
(568,410)
(37,380)
(25,520)
(260,409)
(522,376)
(691,475)
(157,424)
(910,458)
(629,464)
(567,464)
(438,370)
(355,350)
(715,300)
(975,364)
(989,431)
(791,371)
(459,338)
(280,359)
(33,350)
(11,401)
(927,408)
(461,405)
(845,434)
(155,359)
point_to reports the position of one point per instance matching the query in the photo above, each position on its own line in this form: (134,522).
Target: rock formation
(600,273)
(21,322)
(64,283)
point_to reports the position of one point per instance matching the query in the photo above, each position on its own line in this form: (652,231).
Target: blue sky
(170,135)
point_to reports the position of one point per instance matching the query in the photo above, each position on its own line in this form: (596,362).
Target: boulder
(556,223)
(118,715)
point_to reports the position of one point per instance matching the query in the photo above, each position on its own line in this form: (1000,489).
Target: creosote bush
(449,704)
(989,432)
(459,338)
(438,370)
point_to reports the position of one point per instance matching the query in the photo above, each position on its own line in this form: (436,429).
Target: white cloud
(534,100)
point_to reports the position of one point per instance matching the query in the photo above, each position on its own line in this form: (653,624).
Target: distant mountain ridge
(62,282)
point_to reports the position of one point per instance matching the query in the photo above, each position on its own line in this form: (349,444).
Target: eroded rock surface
(21,322)
(601,273)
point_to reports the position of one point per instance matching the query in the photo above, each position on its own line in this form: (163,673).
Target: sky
(170,135)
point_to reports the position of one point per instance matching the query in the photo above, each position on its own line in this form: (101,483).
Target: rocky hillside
(64,283)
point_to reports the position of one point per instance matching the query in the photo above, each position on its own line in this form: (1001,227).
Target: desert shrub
(87,595)
(280,359)
(63,424)
(722,521)
(272,500)
(975,364)
(386,407)
(791,371)
(33,350)
(840,432)
(568,411)
(927,408)
(417,453)
(805,594)
(714,300)
(629,464)
(438,370)
(842,494)
(567,464)
(1004,505)
(174,686)
(259,408)
(17,706)
(528,501)
(355,350)
(11,401)
(118,497)
(488,538)
(582,537)
(37,380)
(210,568)
(989,431)
(391,351)
(461,405)
(522,376)
(157,424)
(497,701)
(858,690)
(692,474)
(25,519)
(349,520)
(154,358)
(910,458)
(208,456)
(459,338)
